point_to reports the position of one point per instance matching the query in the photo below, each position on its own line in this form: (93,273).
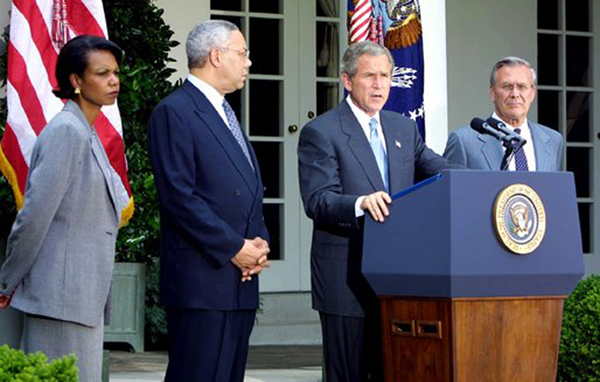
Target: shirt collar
(363,118)
(214,97)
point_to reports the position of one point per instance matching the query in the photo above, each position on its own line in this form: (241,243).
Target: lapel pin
(398,144)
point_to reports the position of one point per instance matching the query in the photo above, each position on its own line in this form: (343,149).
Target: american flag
(37,31)
(360,22)
(395,24)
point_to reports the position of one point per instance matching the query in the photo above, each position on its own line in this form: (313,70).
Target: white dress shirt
(363,120)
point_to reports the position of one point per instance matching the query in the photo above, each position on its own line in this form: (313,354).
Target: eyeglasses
(244,52)
(506,87)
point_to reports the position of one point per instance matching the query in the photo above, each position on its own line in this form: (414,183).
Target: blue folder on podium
(440,239)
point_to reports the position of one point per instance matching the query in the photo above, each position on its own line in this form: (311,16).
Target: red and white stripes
(36,33)
(360,23)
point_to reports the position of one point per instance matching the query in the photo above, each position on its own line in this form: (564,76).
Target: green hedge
(579,358)
(16,366)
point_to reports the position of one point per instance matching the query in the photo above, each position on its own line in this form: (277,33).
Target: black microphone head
(494,122)
(477,125)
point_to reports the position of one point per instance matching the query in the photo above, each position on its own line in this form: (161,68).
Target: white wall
(433,17)
(181,16)
(478,34)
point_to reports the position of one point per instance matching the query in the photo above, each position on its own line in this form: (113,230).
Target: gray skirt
(57,338)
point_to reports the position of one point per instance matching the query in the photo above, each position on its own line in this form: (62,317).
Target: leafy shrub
(579,358)
(16,366)
(138,28)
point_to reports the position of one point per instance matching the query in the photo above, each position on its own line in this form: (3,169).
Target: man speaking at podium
(513,87)
(351,159)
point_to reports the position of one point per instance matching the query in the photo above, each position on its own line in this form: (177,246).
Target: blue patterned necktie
(235,129)
(520,158)
(379,152)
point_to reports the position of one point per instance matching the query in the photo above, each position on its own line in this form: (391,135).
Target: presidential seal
(520,218)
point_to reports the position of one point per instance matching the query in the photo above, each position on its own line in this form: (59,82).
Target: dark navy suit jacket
(210,200)
(336,166)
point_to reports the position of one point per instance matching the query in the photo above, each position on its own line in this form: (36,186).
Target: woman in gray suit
(62,244)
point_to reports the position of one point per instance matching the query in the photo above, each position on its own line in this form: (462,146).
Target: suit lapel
(491,151)
(99,155)
(359,145)
(543,156)
(397,146)
(219,129)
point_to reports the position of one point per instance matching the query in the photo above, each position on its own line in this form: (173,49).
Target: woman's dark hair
(73,59)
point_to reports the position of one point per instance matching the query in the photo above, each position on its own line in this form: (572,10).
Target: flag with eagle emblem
(397,25)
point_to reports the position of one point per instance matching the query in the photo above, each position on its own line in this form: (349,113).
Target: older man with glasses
(213,235)
(512,90)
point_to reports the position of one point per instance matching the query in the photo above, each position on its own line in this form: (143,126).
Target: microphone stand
(512,146)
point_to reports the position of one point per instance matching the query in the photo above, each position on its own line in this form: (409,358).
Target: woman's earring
(77,91)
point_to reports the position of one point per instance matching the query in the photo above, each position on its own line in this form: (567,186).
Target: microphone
(517,141)
(499,125)
(508,137)
(482,127)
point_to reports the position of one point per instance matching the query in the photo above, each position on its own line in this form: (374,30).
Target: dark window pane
(549,108)
(273,214)
(235,20)
(265,107)
(578,162)
(327,8)
(585,221)
(578,61)
(548,14)
(265,46)
(327,96)
(270,160)
(266,6)
(226,5)
(578,15)
(548,59)
(327,50)
(578,117)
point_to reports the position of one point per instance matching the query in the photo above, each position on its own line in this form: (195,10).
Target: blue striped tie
(379,152)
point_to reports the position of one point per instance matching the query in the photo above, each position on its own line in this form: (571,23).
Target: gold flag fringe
(404,35)
(10,174)
(127,212)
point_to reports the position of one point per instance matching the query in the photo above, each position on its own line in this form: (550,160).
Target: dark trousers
(352,348)
(208,345)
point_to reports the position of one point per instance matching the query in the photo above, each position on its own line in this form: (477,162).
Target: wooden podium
(456,304)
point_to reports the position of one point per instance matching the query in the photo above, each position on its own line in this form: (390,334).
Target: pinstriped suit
(210,200)
(60,252)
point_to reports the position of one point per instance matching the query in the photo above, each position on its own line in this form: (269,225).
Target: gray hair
(512,61)
(354,51)
(204,37)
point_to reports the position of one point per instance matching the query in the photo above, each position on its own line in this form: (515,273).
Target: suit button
(4,285)
(238,192)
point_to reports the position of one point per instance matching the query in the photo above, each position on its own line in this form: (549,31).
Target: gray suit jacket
(62,244)
(336,166)
(482,152)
